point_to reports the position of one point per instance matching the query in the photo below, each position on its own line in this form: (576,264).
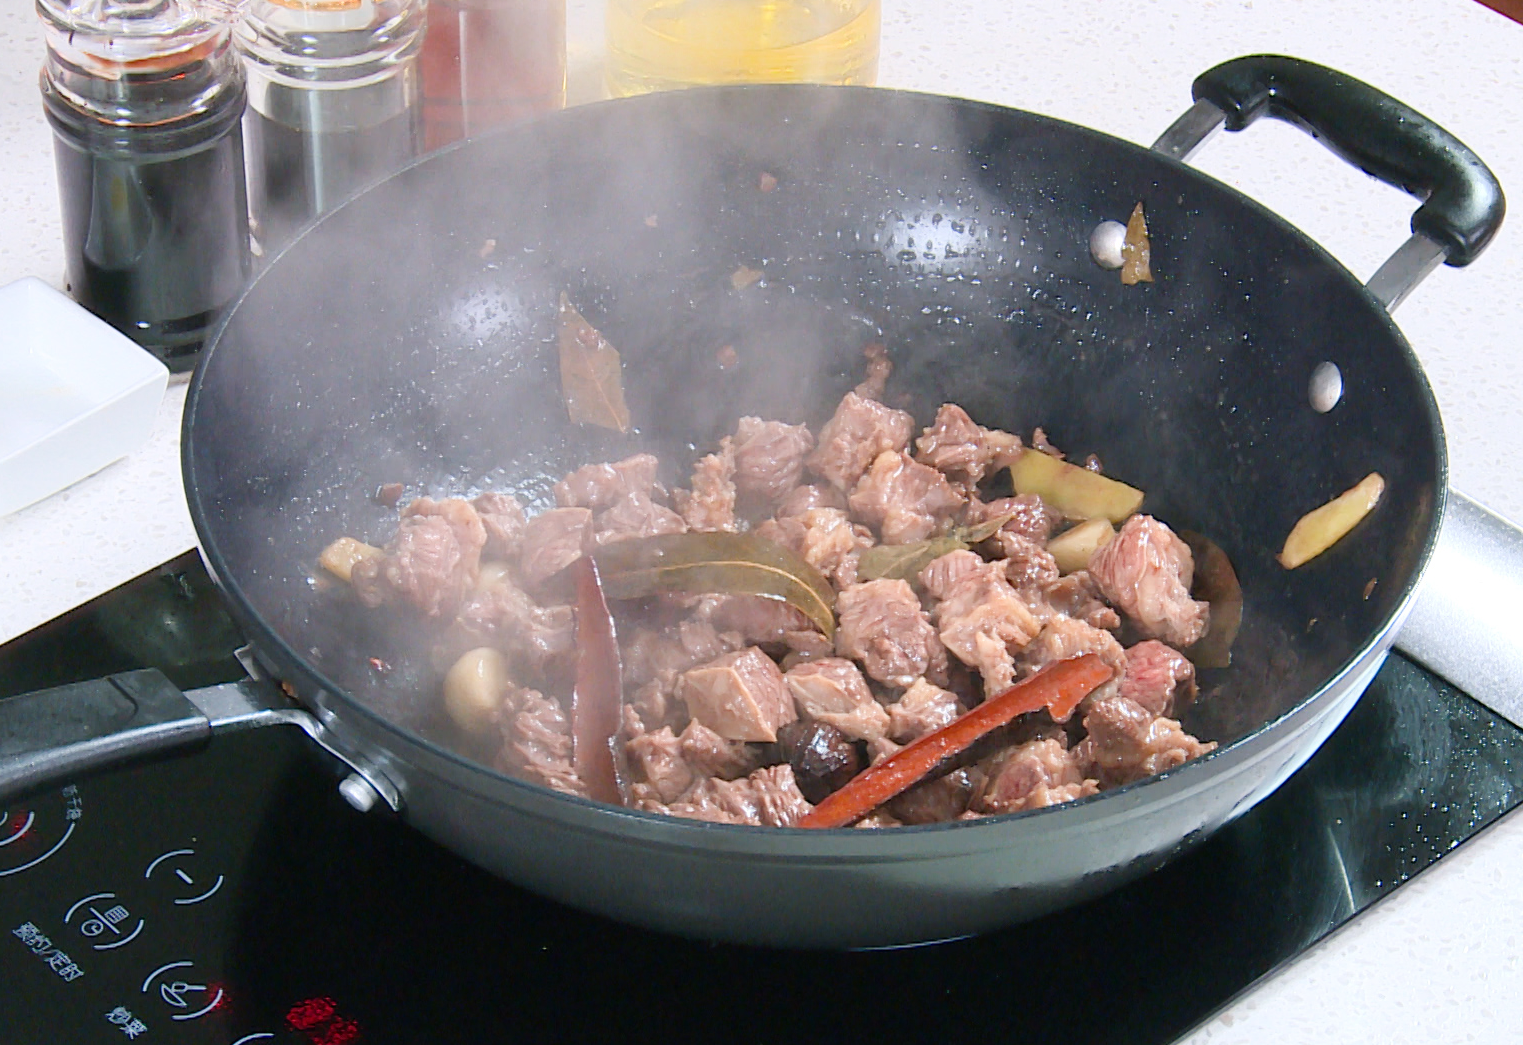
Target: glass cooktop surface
(230,896)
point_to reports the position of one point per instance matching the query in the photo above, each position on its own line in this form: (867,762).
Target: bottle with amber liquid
(144,98)
(656,45)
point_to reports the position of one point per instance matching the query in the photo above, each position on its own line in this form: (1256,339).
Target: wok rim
(266,637)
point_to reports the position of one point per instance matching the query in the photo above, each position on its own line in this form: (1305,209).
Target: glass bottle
(657,45)
(489,62)
(144,98)
(333,104)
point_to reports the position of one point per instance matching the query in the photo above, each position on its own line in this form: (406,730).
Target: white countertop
(1441,957)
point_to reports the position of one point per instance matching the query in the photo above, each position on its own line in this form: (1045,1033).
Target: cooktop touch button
(180,988)
(172,865)
(101,918)
(29,836)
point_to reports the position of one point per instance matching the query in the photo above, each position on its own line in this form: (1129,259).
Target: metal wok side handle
(53,734)
(1462,201)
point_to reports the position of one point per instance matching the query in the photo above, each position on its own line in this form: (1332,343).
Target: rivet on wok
(358,792)
(1105,244)
(1326,387)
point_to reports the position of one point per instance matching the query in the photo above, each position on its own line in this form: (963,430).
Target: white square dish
(75,393)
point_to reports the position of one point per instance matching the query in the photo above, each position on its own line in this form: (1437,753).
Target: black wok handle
(54,734)
(1463,203)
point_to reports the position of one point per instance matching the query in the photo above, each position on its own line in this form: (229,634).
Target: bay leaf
(903,562)
(716,563)
(592,374)
(984,530)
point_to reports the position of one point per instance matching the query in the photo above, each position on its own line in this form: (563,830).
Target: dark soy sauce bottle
(145,98)
(333,104)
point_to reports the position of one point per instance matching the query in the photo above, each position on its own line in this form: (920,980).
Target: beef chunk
(922,709)
(907,501)
(805,646)
(601,486)
(963,451)
(712,755)
(769,457)
(740,695)
(1158,678)
(832,690)
(430,563)
(650,653)
(656,759)
(822,757)
(804,498)
(636,516)
(1030,516)
(823,537)
(767,798)
(623,497)
(501,612)
(1029,567)
(503,520)
(882,625)
(945,572)
(1032,775)
(983,621)
(1062,638)
(553,540)
(755,618)
(860,430)
(710,506)
(463,520)
(1145,571)
(1077,596)
(655,703)
(1126,742)
(537,745)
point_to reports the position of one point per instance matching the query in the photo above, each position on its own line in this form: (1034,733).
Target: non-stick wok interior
(410,337)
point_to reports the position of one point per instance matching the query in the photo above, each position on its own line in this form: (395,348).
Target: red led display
(319,1020)
(19,844)
(305,1015)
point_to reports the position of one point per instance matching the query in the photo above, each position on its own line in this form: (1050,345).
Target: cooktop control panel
(120,897)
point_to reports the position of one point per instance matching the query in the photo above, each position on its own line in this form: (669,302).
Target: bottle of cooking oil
(660,44)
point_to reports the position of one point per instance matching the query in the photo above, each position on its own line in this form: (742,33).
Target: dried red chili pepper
(1059,687)
(599,689)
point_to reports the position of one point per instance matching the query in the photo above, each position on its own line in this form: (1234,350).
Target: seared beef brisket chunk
(881,625)
(860,430)
(1158,677)
(1145,571)
(769,457)
(904,500)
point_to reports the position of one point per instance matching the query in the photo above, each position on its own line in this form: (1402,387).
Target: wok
(409,336)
